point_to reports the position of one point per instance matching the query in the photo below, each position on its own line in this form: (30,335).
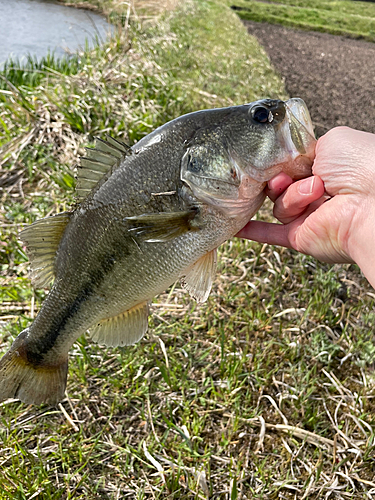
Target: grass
(266,391)
(339,17)
(32,70)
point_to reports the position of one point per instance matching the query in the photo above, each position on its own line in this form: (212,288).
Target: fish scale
(147,216)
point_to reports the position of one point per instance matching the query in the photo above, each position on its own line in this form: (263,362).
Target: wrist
(361,244)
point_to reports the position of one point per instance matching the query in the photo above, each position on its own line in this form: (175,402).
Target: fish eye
(193,164)
(260,114)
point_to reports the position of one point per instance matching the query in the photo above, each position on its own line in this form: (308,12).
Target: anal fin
(200,276)
(125,329)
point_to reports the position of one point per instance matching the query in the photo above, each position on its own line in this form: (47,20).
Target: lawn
(265,391)
(339,17)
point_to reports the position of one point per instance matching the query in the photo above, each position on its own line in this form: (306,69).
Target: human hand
(330,215)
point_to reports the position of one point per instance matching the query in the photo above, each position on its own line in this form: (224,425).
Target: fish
(146,216)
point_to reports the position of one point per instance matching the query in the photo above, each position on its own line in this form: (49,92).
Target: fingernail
(306,186)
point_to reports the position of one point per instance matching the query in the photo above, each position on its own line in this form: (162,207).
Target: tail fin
(32,384)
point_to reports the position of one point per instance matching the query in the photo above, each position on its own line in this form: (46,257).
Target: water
(37,26)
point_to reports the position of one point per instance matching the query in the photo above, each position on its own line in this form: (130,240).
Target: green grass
(340,17)
(32,71)
(194,410)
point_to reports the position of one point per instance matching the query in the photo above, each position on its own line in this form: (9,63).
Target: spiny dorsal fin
(42,239)
(125,329)
(199,277)
(105,157)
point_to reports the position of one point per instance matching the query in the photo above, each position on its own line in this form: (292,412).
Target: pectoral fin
(125,329)
(199,277)
(163,226)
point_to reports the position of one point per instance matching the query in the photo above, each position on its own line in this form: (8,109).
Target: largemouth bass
(147,216)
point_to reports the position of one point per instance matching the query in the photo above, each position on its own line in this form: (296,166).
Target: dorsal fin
(42,239)
(105,157)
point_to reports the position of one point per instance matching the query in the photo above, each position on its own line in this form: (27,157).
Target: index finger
(277,185)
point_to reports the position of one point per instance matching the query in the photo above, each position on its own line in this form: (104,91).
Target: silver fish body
(148,215)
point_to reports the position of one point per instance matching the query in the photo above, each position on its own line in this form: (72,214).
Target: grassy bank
(266,391)
(339,17)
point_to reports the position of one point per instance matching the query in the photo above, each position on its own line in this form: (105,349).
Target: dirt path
(333,74)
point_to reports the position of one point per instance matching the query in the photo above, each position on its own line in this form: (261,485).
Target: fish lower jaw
(297,166)
(300,168)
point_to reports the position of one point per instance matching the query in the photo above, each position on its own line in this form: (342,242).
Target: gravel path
(333,74)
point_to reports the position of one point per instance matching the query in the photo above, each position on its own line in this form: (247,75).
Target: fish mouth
(301,128)
(299,137)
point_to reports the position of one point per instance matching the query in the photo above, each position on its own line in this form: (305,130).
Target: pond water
(37,26)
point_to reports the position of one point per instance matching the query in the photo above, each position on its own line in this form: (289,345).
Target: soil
(334,75)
